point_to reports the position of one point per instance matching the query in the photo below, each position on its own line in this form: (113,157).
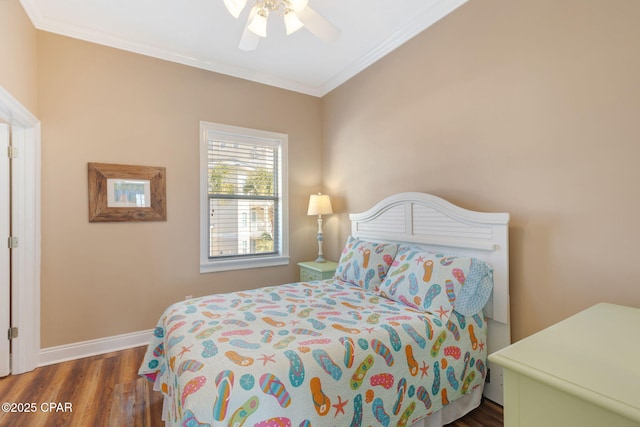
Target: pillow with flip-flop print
(364,263)
(438,283)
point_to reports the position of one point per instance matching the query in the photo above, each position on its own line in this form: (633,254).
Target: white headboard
(441,226)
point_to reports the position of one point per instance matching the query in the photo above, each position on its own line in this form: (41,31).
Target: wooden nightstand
(582,371)
(311,270)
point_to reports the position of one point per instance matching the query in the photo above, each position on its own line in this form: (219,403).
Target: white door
(5,278)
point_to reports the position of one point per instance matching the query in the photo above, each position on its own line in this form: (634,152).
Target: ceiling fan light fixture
(258,24)
(295,13)
(291,22)
(235,7)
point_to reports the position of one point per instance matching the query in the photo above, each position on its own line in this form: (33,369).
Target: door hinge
(12,152)
(12,333)
(12,242)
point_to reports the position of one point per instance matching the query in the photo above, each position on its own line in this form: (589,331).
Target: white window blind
(245,198)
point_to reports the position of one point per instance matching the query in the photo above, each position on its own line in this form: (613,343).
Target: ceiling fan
(296,14)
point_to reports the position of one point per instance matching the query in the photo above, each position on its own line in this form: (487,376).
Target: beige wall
(99,104)
(525,107)
(18,54)
(528,107)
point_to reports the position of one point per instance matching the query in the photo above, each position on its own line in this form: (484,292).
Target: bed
(399,336)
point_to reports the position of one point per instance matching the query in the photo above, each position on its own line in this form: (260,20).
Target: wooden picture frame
(124,193)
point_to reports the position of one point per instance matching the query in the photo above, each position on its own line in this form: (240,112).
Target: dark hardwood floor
(106,391)
(488,414)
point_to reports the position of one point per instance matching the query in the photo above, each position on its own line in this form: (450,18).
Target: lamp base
(320,239)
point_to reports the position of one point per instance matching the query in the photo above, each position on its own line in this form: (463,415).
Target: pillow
(438,283)
(365,264)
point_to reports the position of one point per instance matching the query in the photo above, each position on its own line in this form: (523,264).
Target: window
(243,189)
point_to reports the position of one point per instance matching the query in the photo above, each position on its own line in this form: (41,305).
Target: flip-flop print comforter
(310,354)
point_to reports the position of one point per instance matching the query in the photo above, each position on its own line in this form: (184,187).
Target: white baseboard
(78,350)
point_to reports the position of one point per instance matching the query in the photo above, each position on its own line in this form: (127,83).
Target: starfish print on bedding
(185,350)
(424,370)
(441,312)
(266,359)
(339,406)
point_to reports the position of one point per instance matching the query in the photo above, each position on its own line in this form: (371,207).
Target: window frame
(237,262)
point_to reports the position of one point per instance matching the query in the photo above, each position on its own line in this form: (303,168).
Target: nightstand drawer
(310,271)
(307,275)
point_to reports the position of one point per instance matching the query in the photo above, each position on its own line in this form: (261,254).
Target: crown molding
(420,23)
(432,14)
(105,39)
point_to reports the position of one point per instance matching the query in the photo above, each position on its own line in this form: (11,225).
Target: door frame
(5,252)
(25,211)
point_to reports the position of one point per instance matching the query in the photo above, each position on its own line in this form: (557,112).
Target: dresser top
(594,355)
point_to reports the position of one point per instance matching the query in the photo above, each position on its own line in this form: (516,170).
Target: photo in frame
(128,193)
(125,193)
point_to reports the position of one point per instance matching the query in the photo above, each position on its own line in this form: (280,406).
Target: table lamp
(319,204)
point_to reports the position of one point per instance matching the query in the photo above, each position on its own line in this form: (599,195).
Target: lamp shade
(258,24)
(235,6)
(291,22)
(319,204)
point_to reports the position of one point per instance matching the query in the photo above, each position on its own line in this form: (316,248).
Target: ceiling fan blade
(249,40)
(318,25)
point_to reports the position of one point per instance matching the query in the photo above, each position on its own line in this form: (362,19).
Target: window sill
(213,266)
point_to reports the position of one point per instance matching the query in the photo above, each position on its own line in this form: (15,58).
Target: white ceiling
(201,33)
